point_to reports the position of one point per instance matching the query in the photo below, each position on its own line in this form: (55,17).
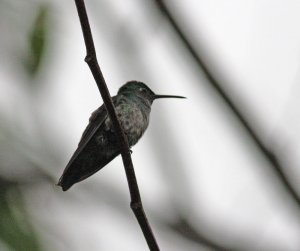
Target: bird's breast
(133,121)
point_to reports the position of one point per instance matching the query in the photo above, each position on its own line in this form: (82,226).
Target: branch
(269,155)
(91,60)
(184,228)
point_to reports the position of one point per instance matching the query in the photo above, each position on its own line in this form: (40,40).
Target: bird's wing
(95,121)
(84,161)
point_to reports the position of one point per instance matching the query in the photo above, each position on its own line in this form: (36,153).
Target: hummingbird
(99,144)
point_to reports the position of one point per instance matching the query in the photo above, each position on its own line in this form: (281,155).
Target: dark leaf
(36,42)
(15,230)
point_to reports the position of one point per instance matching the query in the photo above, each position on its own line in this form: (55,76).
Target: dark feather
(90,156)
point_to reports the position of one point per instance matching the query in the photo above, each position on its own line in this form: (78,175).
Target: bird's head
(142,91)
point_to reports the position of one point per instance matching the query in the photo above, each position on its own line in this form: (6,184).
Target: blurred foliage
(37,42)
(16,231)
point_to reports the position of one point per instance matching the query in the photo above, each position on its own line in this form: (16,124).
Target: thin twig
(269,155)
(91,60)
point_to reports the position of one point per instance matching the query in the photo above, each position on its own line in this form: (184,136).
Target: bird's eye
(142,90)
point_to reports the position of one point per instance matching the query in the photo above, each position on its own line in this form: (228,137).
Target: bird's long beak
(166,96)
